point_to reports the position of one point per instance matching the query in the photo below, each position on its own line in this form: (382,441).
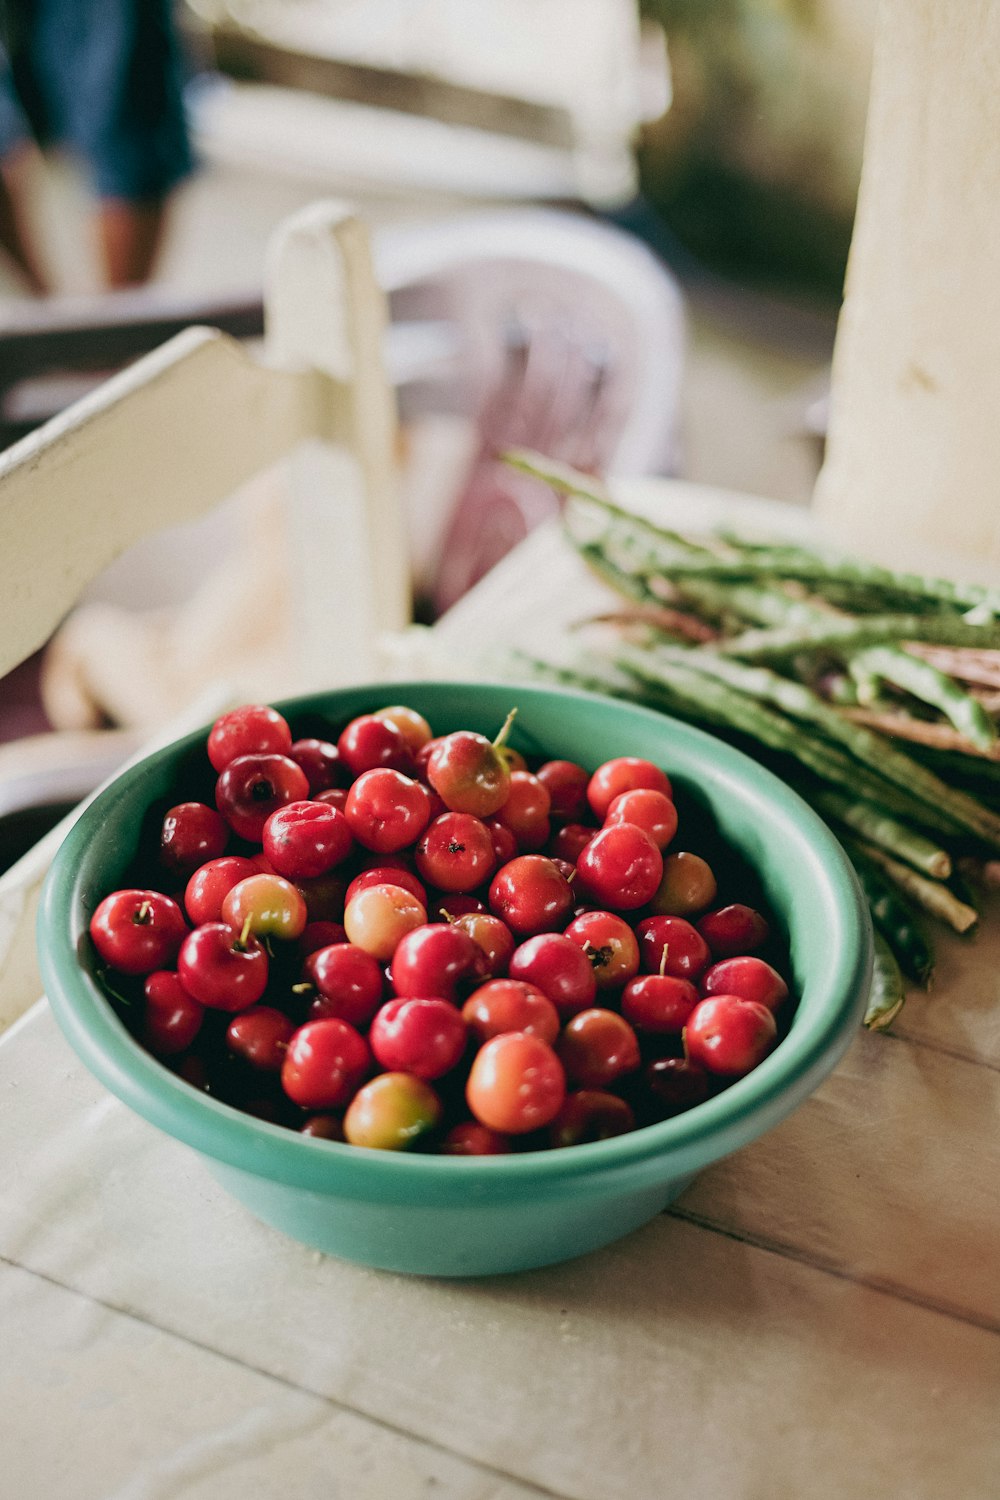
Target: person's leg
(16,168)
(130,235)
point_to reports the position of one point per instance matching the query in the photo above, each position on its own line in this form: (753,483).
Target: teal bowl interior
(454,1216)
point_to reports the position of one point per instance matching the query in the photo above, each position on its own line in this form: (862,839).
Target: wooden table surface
(818,1315)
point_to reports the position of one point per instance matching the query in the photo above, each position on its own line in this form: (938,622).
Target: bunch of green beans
(804,658)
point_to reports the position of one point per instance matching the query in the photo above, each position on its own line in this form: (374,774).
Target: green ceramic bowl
(467,1216)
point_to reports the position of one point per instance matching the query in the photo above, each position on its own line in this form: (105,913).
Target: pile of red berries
(400,940)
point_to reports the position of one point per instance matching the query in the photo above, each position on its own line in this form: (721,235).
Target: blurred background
(613,231)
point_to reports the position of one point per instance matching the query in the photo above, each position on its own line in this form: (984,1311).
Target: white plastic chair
(172,436)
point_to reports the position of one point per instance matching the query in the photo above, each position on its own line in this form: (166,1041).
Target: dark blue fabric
(104,78)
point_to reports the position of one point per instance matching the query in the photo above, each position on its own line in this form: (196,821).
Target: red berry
(425,1037)
(219,969)
(348,981)
(728,1035)
(531,895)
(469,774)
(621,867)
(493,937)
(171,1020)
(566,784)
(659,1003)
(260,1036)
(456,853)
(651,811)
(469,1138)
(676,1085)
(526,811)
(623,774)
(368,742)
(306,839)
(191,834)
(252,787)
(503,1005)
(435,960)
(596,1047)
(670,945)
(609,944)
(267,905)
(387,811)
(559,967)
(516,1084)
(321,762)
(324,1064)
(137,931)
(590,1115)
(733,930)
(749,978)
(209,886)
(253,729)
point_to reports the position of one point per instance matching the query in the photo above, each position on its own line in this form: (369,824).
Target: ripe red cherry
(493,937)
(209,886)
(516,1084)
(469,1138)
(191,834)
(252,787)
(566,784)
(505,845)
(651,811)
(320,759)
(570,842)
(733,930)
(559,967)
(260,1036)
(137,931)
(171,1020)
(469,773)
(659,1003)
(254,729)
(749,978)
(526,811)
(425,1037)
(221,968)
(670,945)
(306,839)
(590,1115)
(596,1047)
(728,1035)
(621,867)
(368,742)
(456,853)
(348,981)
(503,1005)
(531,895)
(387,811)
(623,774)
(610,945)
(435,960)
(324,1064)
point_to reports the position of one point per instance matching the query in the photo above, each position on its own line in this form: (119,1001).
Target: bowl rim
(740,1113)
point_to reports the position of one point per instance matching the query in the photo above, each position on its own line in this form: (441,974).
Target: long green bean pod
(894,918)
(932,895)
(874,825)
(871,749)
(887,994)
(931,686)
(849,633)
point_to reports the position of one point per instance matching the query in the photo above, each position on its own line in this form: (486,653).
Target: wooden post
(912,473)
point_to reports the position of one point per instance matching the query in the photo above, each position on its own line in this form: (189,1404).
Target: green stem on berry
(505,730)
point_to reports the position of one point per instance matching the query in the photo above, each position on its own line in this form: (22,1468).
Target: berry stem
(501,738)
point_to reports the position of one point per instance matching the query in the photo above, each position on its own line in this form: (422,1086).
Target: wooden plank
(680,1357)
(140,1412)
